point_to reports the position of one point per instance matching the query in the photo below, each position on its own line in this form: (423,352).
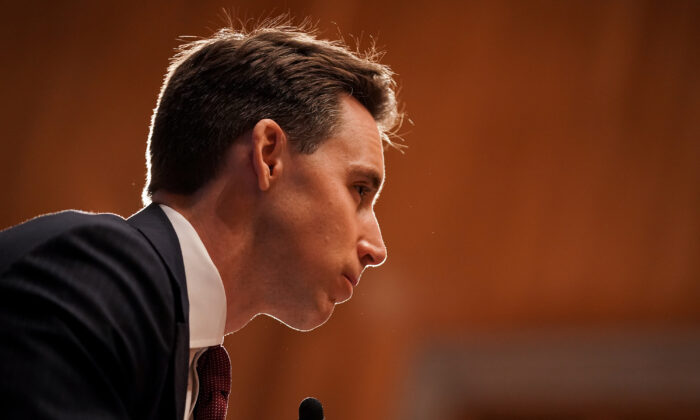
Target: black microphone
(310,409)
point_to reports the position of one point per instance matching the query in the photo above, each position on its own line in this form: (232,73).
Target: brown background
(551,187)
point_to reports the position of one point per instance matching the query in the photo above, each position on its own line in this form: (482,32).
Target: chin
(307,320)
(317,319)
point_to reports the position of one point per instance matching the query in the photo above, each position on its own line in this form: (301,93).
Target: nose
(370,248)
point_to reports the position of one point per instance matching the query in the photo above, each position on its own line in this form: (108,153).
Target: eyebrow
(370,173)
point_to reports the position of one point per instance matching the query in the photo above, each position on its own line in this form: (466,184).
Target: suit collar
(155,226)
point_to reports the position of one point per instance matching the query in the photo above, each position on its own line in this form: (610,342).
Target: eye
(362,190)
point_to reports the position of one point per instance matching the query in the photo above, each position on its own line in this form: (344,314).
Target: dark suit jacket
(93,318)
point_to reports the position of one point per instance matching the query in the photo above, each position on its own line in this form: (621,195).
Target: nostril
(371,251)
(372,256)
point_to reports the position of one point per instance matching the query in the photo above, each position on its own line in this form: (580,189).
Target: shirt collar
(205,289)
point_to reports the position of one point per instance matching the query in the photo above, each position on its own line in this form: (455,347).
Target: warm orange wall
(552,178)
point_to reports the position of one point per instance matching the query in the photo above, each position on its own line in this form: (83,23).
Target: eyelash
(362,190)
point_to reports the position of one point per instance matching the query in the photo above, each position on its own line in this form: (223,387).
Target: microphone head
(310,409)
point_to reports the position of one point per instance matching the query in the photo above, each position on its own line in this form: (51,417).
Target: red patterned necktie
(214,372)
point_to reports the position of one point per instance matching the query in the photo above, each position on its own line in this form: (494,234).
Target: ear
(269,145)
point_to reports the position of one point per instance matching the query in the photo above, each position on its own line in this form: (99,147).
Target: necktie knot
(214,372)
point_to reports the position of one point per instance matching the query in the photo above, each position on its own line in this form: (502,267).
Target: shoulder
(98,257)
(84,249)
(105,231)
(46,226)
(94,298)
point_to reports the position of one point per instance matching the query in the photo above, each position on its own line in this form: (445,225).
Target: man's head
(218,88)
(271,143)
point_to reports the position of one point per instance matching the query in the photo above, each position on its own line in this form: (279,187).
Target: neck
(227,240)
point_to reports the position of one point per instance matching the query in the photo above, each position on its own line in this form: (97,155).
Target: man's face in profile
(323,221)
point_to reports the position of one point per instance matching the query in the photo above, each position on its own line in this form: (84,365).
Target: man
(265,159)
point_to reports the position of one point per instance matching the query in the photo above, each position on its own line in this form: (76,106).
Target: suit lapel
(155,226)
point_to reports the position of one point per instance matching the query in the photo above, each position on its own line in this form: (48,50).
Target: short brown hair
(218,88)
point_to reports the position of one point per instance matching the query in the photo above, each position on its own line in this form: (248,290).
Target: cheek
(317,222)
(327,239)
(325,230)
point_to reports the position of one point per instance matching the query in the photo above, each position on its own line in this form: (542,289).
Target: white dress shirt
(207,297)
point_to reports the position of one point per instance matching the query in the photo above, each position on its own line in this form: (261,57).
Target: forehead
(354,152)
(357,138)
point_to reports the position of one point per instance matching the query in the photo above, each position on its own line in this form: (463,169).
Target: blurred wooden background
(552,179)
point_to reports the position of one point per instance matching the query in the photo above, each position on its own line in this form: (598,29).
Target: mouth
(353,280)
